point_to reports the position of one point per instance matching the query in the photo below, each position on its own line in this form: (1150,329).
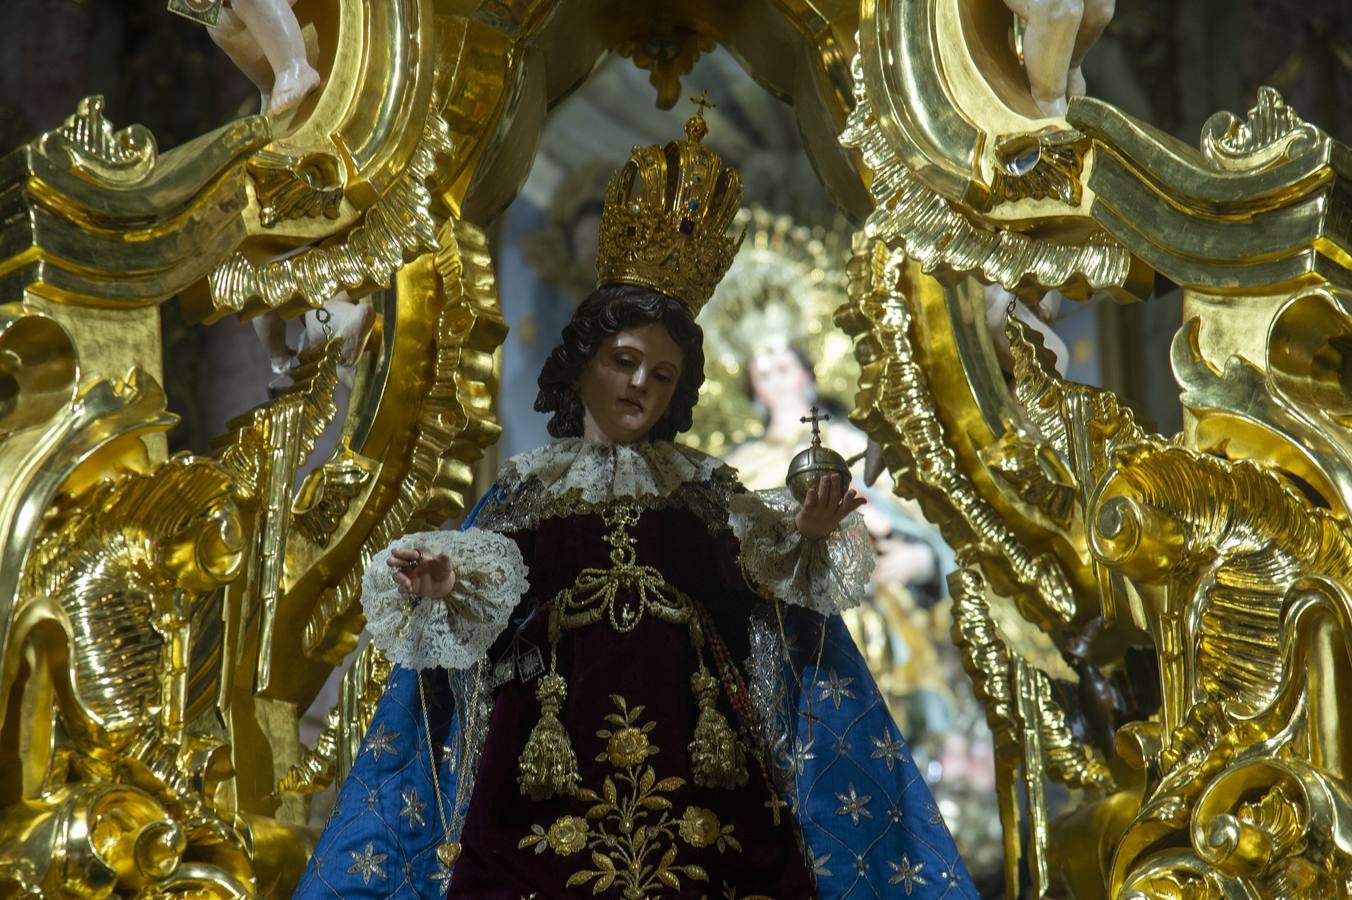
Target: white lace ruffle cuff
(827,575)
(455,631)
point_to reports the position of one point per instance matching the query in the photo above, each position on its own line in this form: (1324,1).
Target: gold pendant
(207,12)
(448,852)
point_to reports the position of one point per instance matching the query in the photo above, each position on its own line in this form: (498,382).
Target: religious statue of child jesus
(627,675)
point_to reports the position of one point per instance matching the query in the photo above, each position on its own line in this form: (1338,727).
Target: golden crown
(666,218)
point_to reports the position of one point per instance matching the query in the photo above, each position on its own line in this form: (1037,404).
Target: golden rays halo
(780,291)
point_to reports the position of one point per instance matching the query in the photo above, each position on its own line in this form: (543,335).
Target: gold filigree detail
(626,591)
(629,828)
(717,758)
(345,726)
(567,835)
(548,763)
(1268,135)
(292,185)
(700,828)
(326,495)
(90,146)
(989,662)
(628,747)
(396,229)
(913,216)
(1047,165)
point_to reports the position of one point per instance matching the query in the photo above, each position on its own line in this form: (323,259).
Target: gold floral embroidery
(629,828)
(700,828)
(628,746)
(568,835)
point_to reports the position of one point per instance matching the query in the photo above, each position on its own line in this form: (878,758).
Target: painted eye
(664,377)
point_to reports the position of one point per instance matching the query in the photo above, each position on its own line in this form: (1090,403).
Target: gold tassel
(717,758)
(548,764)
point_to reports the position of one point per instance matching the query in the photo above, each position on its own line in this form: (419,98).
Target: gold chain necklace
(448,851)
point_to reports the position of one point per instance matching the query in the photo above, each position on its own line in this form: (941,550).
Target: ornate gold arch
(163,621)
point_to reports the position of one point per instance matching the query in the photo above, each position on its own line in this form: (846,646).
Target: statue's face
(628,383)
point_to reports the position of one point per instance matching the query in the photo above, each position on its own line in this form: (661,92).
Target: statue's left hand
(824,506)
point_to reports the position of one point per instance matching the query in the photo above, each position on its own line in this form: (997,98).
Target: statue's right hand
(415,572)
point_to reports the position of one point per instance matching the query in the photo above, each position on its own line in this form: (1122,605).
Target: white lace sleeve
(826,575)
(452,632)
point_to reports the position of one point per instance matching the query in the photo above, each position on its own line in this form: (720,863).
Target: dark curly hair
(609,310)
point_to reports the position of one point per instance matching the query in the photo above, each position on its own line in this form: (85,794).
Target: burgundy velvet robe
(649,667)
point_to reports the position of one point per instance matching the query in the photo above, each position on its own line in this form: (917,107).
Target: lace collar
(577,469)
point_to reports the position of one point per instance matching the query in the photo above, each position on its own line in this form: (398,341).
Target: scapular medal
(206,12)
(529,661)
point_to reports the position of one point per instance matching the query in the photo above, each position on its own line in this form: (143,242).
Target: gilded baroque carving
(326,496)
(296,186)
(135,751)
(88,143)
(938,234)
(991,664)
(896,408)
(345,726)
(461,380)
(1265,136)
(397,228)
(140,593)
(1040,166)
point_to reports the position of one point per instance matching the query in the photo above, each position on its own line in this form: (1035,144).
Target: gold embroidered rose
(568,835)
(701,828)
(627,747)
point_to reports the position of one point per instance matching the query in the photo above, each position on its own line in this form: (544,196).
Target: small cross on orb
(816,419)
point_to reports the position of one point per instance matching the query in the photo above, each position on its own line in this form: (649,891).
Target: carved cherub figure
(263,38)
(1056,40)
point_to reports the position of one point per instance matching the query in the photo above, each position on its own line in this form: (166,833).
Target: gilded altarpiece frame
(163,619)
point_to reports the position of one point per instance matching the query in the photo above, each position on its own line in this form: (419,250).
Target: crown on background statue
(666,218)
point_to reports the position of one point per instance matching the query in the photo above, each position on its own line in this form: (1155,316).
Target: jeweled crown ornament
(667,213)
(816,462)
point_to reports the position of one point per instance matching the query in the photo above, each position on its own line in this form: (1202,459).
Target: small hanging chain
(322,316)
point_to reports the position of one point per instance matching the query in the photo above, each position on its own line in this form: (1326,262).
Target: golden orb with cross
(816,462)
